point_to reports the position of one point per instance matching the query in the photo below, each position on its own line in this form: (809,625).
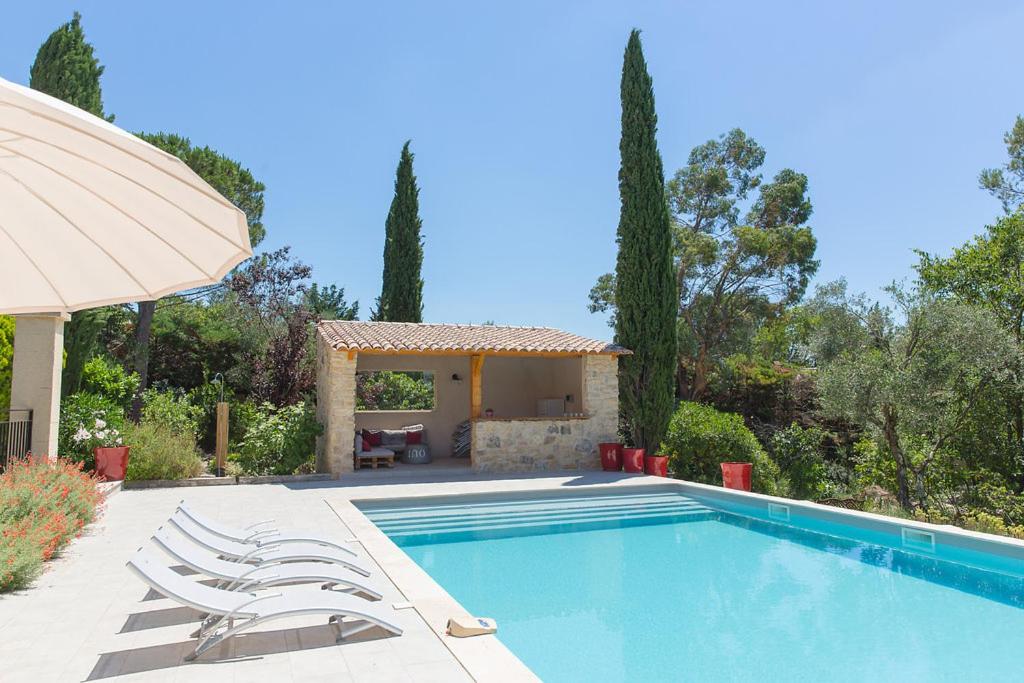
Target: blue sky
(891,109)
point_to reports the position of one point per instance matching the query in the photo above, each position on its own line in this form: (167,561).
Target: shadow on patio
(240,648)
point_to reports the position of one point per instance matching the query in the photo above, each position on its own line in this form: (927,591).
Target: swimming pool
(656,584)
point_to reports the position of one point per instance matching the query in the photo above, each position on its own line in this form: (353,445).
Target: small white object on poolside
(464,627)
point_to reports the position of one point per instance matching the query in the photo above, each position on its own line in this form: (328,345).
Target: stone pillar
(35,384)
(335,408)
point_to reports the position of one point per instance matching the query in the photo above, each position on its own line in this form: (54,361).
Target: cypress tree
(66,68)
(645,290)
(401,296)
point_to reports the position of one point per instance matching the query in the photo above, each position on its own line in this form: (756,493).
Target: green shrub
(279,441)
(159,451)
(88,421)
(171,409)
(700,438)
(108,379)
(797,451)
(6,359)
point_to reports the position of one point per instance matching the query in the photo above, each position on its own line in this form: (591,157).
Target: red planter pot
(633,460)
(111,463)
(736,475)
(611,456)
(656,465)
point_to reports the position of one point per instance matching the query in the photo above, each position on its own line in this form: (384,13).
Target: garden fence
(15,435)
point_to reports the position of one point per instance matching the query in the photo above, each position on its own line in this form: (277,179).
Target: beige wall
(451,399)
(513,384)
(35,384)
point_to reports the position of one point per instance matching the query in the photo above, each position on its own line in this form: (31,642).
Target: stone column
(35,384)
(335,407)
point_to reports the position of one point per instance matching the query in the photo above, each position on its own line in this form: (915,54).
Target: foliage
(279,440)
(734,277)
(88,421)
(268,291)
(986,272)
(193,340)
(394,390)
(1007,183)
(42,507)
(645,292)
(161,451)
(913,380)
(798,453)
(233,181)
(110,380)
(6,359)
(171,409)
(328,303)
(401,295)
(66,68)
(700,438)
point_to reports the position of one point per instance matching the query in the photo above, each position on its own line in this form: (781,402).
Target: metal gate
(15,435)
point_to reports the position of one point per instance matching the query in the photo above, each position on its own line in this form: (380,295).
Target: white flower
(118,441)
(100,424)
(81,435)
(101,435)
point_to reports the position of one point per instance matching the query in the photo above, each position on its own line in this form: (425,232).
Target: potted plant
(633,460)
(656,465)
(107,446)
(611,456)
(736,475)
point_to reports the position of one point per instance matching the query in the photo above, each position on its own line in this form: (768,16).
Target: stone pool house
(536,398)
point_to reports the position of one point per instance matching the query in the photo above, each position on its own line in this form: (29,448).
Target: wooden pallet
(373,461)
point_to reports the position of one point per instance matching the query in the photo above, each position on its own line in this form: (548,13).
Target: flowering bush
(88,421)
(43,506)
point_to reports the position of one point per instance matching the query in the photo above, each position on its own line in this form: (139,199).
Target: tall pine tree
(645,289)
(401,295)
(66,68)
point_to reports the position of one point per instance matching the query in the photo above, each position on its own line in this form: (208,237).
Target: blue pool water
(657,587)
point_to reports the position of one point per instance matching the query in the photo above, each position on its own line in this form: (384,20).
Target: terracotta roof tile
(432,338)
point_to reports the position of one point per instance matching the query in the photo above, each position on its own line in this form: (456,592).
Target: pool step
(581,513)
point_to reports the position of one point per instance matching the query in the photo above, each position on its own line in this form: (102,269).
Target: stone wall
(558,443)
(335,408)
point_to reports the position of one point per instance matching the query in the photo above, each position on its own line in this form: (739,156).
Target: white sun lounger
(260,537)
(238,576)
(247,552)
(231,606)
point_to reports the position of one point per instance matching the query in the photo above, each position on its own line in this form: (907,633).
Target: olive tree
(910,374)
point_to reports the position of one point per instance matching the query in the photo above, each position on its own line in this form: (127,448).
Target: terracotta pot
(736,475)
(656,465)
(633,460)
(611,456)
(111,463)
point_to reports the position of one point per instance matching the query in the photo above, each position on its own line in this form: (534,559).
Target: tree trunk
(143,328)
(700,375)
(892,440)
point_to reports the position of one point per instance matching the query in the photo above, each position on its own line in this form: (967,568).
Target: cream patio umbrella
(91,215)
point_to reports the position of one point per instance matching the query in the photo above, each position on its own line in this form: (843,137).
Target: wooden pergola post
(476,366)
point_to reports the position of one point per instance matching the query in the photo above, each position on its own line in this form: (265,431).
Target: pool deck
(88,618)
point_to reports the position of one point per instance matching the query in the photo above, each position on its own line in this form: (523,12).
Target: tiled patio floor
(88,618)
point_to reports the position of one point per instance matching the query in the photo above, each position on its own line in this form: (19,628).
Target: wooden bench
(374,459)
